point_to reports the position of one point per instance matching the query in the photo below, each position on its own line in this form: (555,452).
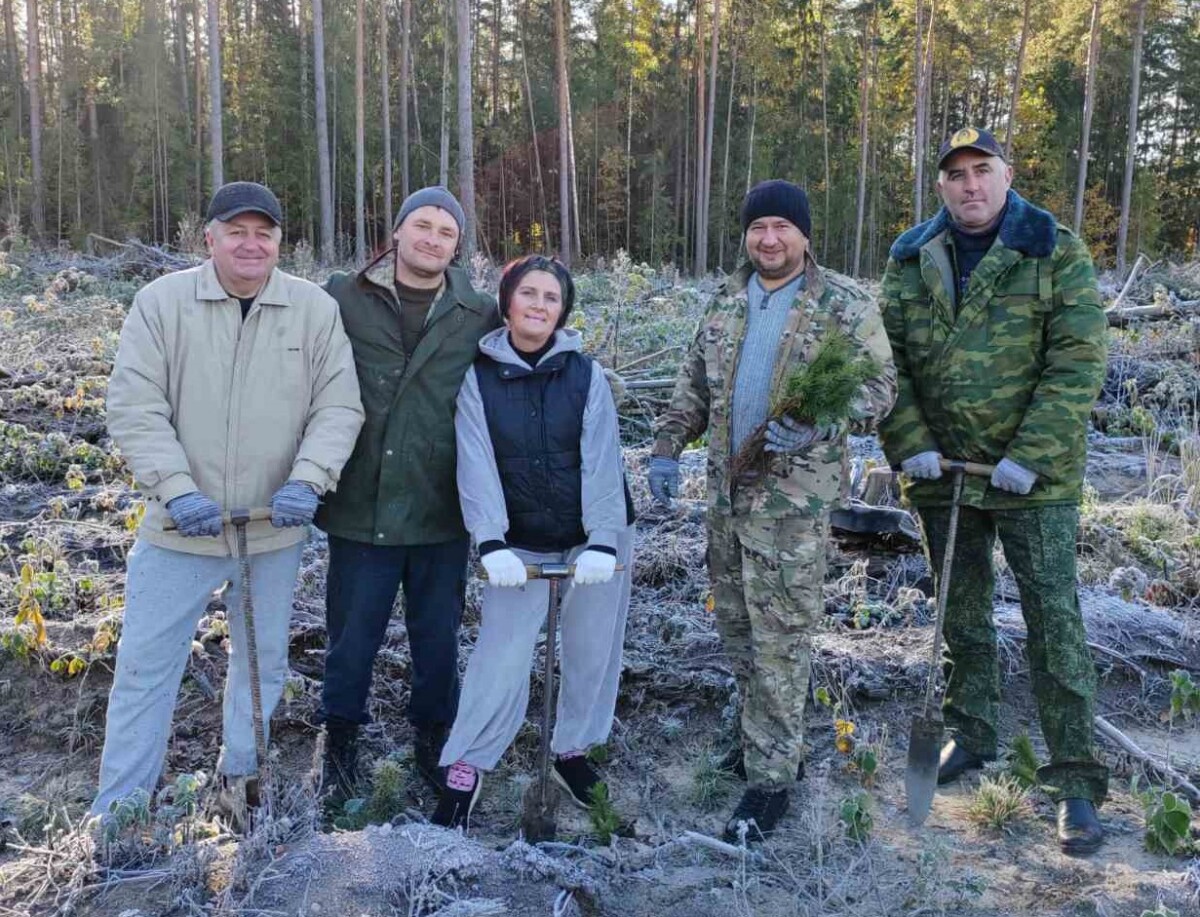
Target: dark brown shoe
(956,761)
(1079,830)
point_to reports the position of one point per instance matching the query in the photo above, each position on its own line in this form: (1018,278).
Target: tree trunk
(16,80)
(181,58)
(710,119)
(564,145)
(444,141)
(216,141)
(723,203)
(360,157)
(533,133)
(33,59)
(466,130)
(827,229)
(919,142)
(405,77)
(386,114)
(198,120)
(324,176)
(1089,106)
(1131,143)
(864,98)
(700,252)
(1016,84)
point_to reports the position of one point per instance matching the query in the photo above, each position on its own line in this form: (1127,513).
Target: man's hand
(504,568)
(295,503)
(787,435)
(1012,478)
(195,514)
(663,478)
(924,466)
(593,567)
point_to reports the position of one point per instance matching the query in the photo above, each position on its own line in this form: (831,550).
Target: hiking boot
(427,750)
(734,763)
(340,771)
(956,761)
(236,798)
(458,796)
(577,776)
(1079,830)
(760,810)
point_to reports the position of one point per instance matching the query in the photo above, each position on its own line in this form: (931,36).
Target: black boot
(427,750)
(761,810)
(956,761)
(1079,830)
(340,774)
(735,763)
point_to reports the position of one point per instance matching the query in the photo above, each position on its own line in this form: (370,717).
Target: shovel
(239,518)
(927,731)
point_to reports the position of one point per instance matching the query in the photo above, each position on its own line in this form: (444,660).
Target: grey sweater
(479,490)
(765,317)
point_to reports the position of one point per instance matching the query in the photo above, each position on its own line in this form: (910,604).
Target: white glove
(593,567)
(504,568)
(923,465)
(1011,477)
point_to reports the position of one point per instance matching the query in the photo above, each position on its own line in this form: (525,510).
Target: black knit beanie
(777,198)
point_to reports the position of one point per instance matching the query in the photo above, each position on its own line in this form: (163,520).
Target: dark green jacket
(398,488)
(1013,373)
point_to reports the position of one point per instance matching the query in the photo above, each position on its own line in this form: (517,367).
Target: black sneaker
(577,776)
(735,763)
(760,810)
(454,806)
(427,750)
(340,771)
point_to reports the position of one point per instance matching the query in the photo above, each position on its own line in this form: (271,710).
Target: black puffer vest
(535,418)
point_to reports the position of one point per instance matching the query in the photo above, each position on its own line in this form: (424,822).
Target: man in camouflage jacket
(999,339)
(768,533)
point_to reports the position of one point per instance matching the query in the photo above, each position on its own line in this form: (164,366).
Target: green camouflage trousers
(1039,545)
(766,579)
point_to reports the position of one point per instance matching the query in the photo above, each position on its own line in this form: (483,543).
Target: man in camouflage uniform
(767,532)
(999,338)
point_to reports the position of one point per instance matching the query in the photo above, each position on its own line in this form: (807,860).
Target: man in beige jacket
(234,386)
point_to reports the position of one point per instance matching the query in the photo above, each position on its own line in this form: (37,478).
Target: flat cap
(244,197)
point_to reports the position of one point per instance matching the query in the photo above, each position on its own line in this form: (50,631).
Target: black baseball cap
(244,197)
(970,138)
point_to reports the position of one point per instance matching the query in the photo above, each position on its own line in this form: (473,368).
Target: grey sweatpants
(495,691)
(166,593)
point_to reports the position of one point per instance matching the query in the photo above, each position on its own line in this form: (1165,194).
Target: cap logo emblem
(964,137)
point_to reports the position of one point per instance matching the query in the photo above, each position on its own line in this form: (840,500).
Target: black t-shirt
(247,302)
(969,249)
(415,304)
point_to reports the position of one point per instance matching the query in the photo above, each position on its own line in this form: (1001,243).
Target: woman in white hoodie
(540,479)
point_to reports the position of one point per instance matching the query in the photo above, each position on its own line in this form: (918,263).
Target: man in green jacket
(998,334)
(414,322)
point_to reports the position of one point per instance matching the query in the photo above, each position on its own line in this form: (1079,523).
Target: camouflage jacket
(1014,374)
(808,482)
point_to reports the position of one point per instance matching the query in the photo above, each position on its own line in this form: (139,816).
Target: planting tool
(541,800)
(928,729)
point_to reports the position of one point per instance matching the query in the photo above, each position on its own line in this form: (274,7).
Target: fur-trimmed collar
(1026,228)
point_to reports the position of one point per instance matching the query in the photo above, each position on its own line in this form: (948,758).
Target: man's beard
(786,269)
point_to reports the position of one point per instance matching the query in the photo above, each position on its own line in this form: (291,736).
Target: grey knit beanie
(433,196)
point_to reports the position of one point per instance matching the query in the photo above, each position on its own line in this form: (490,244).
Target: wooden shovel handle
(976,468)
(260,514)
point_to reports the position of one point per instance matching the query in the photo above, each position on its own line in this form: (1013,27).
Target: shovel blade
(538,811)
(920,776)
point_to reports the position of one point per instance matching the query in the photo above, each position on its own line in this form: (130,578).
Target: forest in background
(118,117)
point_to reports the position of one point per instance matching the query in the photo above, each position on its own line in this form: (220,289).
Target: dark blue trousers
(360,592)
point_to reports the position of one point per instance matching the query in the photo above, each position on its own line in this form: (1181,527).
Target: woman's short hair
(518,268)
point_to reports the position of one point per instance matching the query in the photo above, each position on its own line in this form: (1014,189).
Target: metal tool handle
(548,692)
(958,471)
(233,517)
(549,571)
(979,469)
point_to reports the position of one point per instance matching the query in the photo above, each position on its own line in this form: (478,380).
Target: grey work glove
(195,514)
(788,435)
(925,466)
(663,478)
(295,503)
(1012,478)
